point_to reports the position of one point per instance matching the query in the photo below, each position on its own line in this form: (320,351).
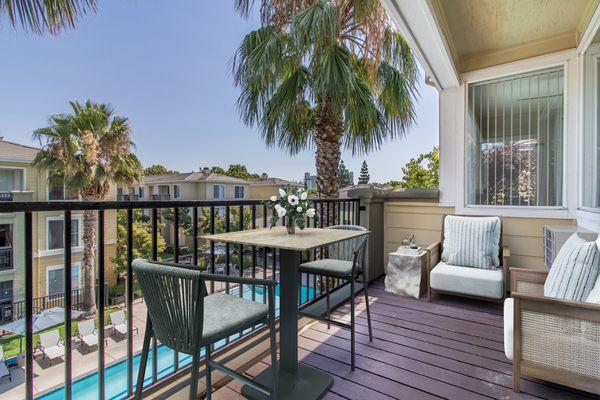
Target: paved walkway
(49,377)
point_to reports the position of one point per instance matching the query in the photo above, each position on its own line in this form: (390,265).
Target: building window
(6,292)
(591,130)
(58,191)
(141,192)
(239,192)
(176,191)
(218,191)
(11,180)
(55,279)
(515,140)
(55,233)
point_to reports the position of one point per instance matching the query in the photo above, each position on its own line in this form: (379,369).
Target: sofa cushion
(472,241)
(509,312)
(574,270)
(465,280)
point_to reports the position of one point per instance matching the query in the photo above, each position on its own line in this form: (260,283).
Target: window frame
(61,266)
(60,218)
(176,191)
(141,192)
(213,191)
(64,192)
(456,186)
(235,188)
(23,177)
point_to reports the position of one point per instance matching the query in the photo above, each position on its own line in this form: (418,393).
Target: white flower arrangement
(293,204)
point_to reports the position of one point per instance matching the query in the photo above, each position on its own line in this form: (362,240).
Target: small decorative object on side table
(405,273)
(294,205)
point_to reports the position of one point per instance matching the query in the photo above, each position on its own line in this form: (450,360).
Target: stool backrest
(174,297)
(345,249)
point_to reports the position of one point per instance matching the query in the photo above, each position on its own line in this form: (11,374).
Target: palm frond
(41,16)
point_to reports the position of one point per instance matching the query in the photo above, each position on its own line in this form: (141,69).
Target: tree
(364,177)
(325,74)
(346,178)
(142,239)
(157,169)
(236,171)
(423,171)
(40,16)
(88,151)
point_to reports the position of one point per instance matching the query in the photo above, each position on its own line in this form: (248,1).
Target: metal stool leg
(208,375)
(352,324)
(194,377)
(365,283)
(273,340)
(144,359)
(328,305)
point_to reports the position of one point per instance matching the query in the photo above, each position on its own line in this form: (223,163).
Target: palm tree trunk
(88,261)
(330,129)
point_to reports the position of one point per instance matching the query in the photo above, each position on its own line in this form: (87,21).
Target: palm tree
(39,16)
(325,74)
(88,150)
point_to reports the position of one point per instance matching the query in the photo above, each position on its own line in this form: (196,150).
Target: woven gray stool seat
(184,318)
(328,267)
(343,260)
(225,315)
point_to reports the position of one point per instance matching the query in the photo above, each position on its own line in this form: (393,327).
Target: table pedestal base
(308,384)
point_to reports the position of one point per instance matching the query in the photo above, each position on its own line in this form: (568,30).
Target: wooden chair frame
(434,255)
(532,299)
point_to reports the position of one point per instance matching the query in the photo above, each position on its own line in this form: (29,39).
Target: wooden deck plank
(449,348)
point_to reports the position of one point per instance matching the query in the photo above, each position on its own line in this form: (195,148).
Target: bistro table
(296,380)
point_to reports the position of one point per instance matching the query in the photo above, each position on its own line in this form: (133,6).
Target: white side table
(406,274)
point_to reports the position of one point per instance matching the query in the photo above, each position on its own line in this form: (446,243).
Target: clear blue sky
(165,66)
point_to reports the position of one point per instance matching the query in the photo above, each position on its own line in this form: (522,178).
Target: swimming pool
(86,388)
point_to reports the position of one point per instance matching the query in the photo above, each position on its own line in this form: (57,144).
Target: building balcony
(128,197)
(451,347)
(161,197)
(6,196)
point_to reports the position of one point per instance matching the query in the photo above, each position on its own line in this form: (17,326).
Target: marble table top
(277,237)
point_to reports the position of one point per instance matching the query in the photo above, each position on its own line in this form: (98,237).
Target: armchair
(551,339)
(485,284)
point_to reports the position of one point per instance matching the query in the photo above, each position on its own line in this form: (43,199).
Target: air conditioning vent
(556,236)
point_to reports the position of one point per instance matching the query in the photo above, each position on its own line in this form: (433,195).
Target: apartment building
(20,181)
(266,186)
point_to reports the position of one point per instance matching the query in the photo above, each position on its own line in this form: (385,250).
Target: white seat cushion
(465,280)
(509,312)
(54,352)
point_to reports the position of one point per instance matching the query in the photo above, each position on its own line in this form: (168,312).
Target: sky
(167,68)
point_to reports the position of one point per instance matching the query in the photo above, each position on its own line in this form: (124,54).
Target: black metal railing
(128,197)
(6,196)
(6,258)
(207,217)
(161,197)
(13,310)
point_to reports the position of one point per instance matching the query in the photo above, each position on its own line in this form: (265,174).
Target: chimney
(264,176)
(205,170)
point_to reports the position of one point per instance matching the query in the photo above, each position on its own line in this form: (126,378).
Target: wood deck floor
(447,349)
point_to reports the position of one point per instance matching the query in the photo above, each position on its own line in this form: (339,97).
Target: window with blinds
(515,140)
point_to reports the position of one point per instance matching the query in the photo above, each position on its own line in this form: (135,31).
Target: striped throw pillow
(574,270)
(472,241)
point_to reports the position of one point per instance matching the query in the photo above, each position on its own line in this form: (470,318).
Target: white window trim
(24,172)
(49,251)
(243,191)
(141,190)
(54,268)
(64,190)
(179,190)
(213,191)
(568,60)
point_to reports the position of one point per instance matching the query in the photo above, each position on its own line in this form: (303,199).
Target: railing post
(28,306)
(370,215)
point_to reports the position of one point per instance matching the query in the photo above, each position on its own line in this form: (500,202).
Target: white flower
(303,196)
(310,212)
(282,192)
(278,206)
(299,209)
(293,200)
(281,212)
(273,198)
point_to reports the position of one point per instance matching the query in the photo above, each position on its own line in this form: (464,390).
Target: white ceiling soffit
(416,22)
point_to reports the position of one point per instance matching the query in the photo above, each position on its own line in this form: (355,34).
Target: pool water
(116,375)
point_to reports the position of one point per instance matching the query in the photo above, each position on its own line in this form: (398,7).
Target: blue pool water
(116,375)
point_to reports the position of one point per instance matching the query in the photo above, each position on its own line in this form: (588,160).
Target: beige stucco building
(20,181)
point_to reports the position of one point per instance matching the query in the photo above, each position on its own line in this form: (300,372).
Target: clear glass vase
(290,225)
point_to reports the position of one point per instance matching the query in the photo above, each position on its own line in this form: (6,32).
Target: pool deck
(49,377)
